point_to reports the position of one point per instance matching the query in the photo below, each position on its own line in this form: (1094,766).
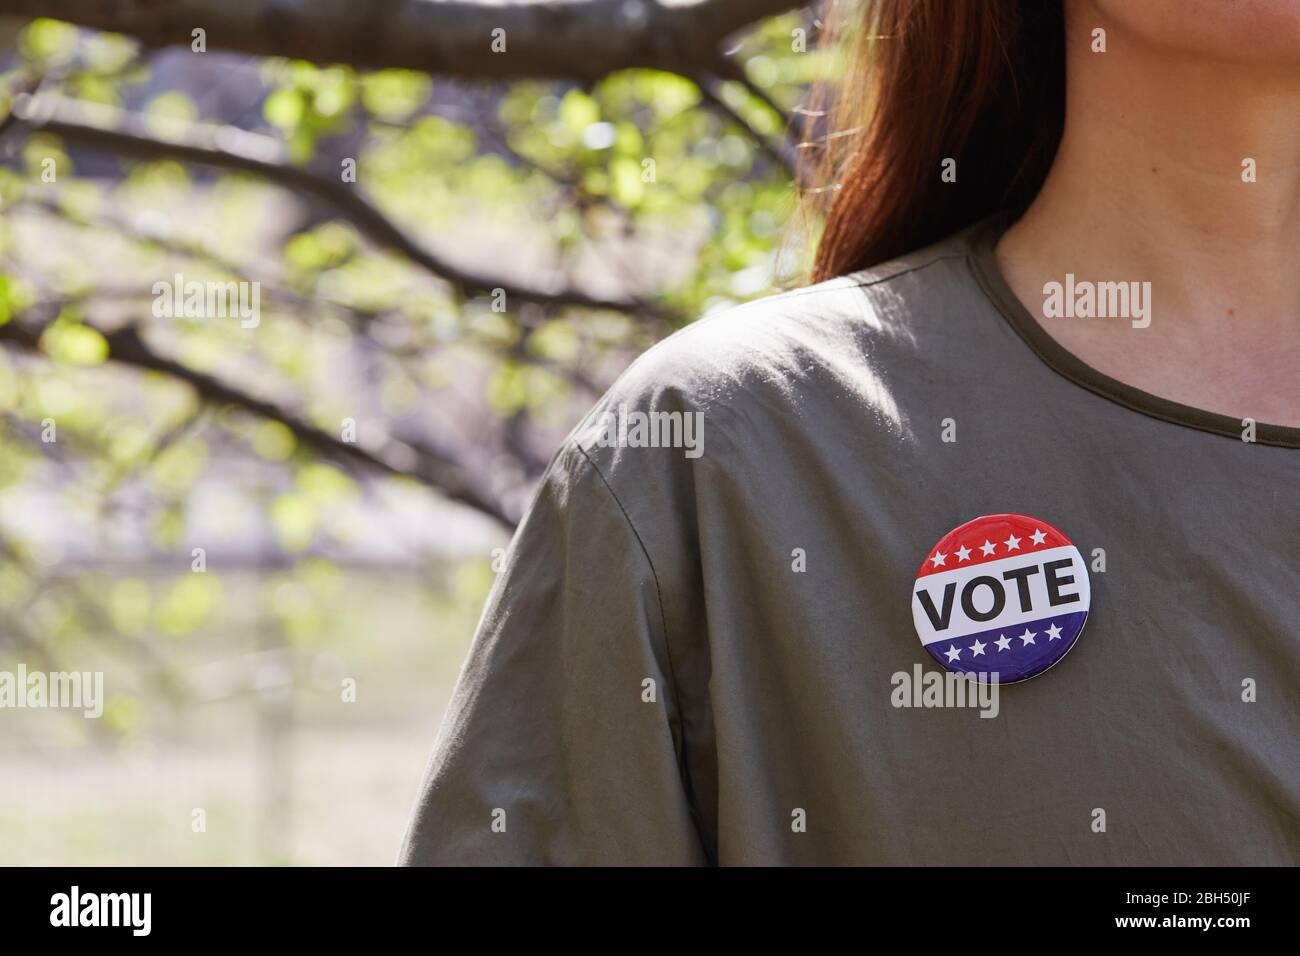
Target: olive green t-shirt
(694,652)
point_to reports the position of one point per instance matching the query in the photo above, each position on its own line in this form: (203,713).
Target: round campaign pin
(1002,594)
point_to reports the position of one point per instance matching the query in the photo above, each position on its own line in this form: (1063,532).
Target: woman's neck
(1183,173)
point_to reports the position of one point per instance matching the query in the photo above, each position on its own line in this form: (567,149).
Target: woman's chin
(1246,31)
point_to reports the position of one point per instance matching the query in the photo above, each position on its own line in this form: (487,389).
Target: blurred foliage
(352,769)
(637,187)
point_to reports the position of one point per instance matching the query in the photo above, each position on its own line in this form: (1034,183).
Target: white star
(1054,631)
(1038,536)
(1012,543)
(963,553)
(987,547)
(939,558)
(1027,637)
(1003,642)
(953,653)
(978,648)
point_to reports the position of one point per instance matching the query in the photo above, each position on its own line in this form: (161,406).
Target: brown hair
(978,81)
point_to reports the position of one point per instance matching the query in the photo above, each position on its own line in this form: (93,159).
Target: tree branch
(543,38)
(779,150)
(127,347)
(305,307)
(227,147)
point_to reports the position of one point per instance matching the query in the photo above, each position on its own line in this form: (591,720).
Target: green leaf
(72,343)
(294,518)
(49,42)
(578,111)
(274,441)
(188,603)
(284,108)
(394,95)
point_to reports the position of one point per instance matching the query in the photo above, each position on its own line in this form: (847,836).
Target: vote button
(1003,594)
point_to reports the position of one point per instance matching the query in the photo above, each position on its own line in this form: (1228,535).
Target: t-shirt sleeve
(559,742)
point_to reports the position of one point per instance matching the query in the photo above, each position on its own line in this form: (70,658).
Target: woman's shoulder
(775,384)
(757,359)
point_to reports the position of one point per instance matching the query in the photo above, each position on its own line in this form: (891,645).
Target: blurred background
(454,223)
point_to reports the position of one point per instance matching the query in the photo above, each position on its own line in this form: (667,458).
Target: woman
(1059,280)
